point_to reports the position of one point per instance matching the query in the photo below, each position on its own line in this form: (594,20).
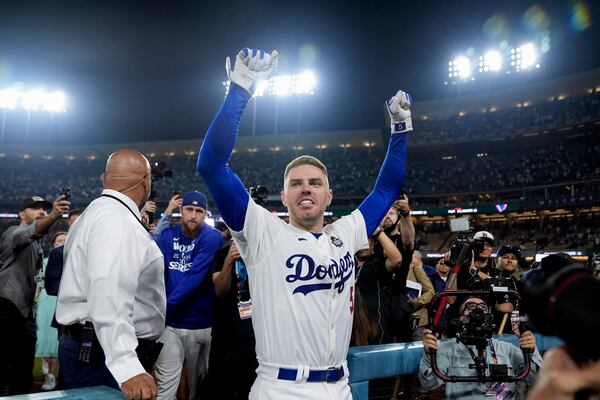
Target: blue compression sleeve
(388,184)
(213,160)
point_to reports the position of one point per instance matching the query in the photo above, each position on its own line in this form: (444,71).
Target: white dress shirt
(114,277)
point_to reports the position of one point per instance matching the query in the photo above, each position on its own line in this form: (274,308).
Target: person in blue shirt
(188,251)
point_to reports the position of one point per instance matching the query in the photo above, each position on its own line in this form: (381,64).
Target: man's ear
(103,179)
(329,197)
(282,197)
(21,214)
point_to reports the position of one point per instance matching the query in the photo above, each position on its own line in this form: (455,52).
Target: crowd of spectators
(514,121)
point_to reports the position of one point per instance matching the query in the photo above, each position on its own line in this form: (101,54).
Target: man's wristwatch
(376,235)
(404,213)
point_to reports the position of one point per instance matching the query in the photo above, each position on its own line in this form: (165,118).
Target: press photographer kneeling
(476,365)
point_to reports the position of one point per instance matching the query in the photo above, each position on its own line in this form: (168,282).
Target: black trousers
(231,372)
(78,374)
(17,350)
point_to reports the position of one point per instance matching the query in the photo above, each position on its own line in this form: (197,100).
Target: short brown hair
(304,160)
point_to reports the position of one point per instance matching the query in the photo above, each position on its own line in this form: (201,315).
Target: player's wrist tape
(402,126)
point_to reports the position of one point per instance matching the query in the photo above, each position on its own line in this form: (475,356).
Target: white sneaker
(49,383)
(45,369)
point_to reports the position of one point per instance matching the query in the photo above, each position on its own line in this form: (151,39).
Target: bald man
(112,293)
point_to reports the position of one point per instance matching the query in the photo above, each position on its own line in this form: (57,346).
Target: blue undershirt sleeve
(224,185)
(388,184)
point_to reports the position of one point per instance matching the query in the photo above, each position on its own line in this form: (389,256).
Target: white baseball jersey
(302,287)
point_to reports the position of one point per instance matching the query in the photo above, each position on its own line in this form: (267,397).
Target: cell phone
(177,193)
(67,192)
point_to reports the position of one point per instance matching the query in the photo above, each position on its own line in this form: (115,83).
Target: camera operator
(483,248)
(506,264)
(455,358)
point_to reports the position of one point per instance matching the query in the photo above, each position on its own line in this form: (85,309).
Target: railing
(383,361)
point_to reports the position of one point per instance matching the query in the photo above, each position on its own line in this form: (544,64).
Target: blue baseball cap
(196,199)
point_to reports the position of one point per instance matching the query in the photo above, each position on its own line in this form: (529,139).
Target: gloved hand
(251,67)
(399,110)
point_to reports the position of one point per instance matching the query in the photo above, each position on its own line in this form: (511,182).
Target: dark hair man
(20,259)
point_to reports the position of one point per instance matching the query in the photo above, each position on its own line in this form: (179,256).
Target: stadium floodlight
(33,100)
(284,85)
(461,67)
(55,102)
(525,57)
(492,61)
(9,98)
(305,83)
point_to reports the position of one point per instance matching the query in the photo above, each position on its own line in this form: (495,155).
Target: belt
(329,375)
(75,331)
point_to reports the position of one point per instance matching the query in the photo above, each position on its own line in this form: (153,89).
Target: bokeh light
(536,19)
(496,27)
(581,18)
(308,54)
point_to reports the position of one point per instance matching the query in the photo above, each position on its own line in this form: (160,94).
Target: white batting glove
(399,110)
(251,67)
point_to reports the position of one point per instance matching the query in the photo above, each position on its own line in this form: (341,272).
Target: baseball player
(301,274)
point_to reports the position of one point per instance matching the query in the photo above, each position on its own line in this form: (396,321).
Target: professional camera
(476,329)
(565,304)
(259,194)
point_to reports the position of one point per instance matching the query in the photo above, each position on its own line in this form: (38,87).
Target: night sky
(149,71)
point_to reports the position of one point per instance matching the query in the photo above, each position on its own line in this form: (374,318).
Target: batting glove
(251,67)
(399,110)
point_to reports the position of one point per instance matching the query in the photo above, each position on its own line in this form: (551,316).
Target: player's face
(192,218)
(306,194)
(508,262)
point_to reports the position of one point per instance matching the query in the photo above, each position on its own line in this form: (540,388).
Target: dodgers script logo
(305,269)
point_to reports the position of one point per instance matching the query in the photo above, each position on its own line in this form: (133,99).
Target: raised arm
(391,176)
(251,66)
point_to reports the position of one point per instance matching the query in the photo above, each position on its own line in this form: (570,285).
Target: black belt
(147,350)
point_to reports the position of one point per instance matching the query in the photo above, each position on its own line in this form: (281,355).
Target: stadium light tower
(524,57)
(285,85)
(492,61)
(460,67)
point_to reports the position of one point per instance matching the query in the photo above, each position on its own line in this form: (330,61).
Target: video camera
(476,329)
(565,304)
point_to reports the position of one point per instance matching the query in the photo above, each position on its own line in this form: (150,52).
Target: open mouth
(306,203)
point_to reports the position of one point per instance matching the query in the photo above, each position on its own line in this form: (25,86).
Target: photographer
(454,358)
(506,264)
(483,248)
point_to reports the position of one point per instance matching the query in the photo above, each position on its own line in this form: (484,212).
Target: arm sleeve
(114,265)
(54,270)
(427,288)
(163,223)
(201,267)
(388,184)
(426,375)
(23,235)
(225,186)
(518,363)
